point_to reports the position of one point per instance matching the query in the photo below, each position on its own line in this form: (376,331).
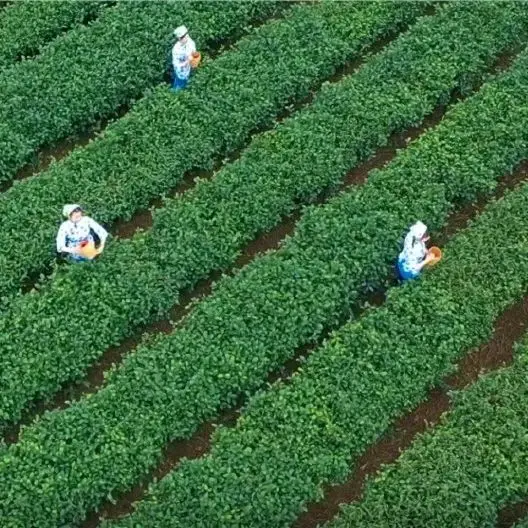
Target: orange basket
(88,250)
(436,253)
(196,57)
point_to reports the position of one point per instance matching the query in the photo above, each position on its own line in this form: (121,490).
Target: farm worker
(414,255)
(78,229)
(181,58)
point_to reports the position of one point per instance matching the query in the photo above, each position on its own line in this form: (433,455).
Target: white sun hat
(68,209)
(180,31)
(419,229)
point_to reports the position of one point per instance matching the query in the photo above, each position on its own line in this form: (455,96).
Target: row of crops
(141,278)
(298,435)
(26,27)
(138,158)
(125,50)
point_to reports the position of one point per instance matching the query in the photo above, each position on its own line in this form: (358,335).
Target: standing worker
(181,58)
(77,231)
(414,255)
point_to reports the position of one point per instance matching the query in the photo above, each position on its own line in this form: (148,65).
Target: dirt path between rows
(497,352)
(510,326)
(512,514)
(62,148)
(197,446)
(94,378)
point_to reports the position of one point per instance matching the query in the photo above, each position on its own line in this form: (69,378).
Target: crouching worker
(78,234)
(182,54)
(414,256)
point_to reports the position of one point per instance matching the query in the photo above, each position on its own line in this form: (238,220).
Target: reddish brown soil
(468,211)
(512,514)
(266,241)
(197,446)
(497,352)
(143,219)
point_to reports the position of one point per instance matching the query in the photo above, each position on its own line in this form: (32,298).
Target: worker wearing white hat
(181,57)
(414,255)
(76,230)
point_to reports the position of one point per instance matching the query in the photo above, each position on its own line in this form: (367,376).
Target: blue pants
(178,83)
(406,274)
(77,258)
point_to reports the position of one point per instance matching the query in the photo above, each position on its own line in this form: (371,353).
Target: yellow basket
(436,253)
(196,57)
(89,251)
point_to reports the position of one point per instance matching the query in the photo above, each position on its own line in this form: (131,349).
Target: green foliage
(25,27)
(139,280)
(70,460)
(91,71)
(294,439)
(149,151)
(465,470)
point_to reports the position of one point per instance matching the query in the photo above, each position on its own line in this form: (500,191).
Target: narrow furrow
(513,515)
(195,447)
(256,320)
(270,240)
(462,472)
(60,149)
(48,155)
(492,355)
(137,159)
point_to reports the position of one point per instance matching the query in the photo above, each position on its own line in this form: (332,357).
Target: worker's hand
(429,257)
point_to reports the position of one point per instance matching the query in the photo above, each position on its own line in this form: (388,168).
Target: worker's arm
(425,261)
(61,241)
(100,231)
